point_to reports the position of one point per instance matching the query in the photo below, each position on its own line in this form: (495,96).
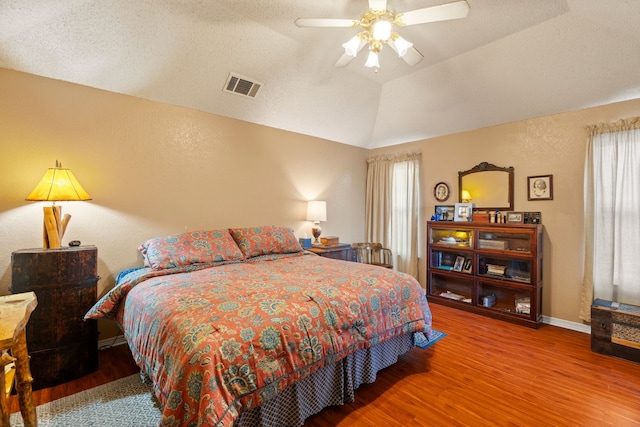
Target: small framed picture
(441,191)
(463,212)
(457,266)
(466,268)
(540,187)
(515,217)
(444,213)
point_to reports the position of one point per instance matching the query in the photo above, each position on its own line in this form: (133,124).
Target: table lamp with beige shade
(58,185)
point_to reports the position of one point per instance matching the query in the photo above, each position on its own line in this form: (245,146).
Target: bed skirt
(329,386)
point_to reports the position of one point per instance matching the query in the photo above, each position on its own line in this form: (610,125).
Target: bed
(242,327)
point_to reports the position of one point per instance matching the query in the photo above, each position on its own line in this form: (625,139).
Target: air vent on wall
(241,85)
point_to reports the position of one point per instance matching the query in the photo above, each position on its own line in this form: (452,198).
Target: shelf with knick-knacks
(492,269)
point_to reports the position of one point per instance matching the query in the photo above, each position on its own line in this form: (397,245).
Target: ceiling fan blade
(344,60)
(444,12)
(378,4)
(412,57)
(322,22)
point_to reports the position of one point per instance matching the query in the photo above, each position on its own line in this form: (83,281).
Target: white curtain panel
(612,217)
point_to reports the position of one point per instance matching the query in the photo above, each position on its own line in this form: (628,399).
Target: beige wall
(552,145)
(155,169)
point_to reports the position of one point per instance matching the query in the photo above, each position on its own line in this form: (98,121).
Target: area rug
(124,403)
(435,337)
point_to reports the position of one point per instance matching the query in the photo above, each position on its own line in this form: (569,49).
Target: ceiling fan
(377,29)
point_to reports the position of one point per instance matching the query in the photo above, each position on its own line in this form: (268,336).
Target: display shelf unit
(486,268)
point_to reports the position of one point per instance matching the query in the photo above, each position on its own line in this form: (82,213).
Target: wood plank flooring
(485,372)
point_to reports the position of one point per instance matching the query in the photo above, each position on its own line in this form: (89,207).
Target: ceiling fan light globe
(352,47)
(402,46)
(381,30)
(372,60)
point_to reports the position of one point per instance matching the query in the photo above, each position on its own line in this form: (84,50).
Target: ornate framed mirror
(488,186)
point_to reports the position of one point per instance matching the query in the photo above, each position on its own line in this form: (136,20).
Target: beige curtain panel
(393,207)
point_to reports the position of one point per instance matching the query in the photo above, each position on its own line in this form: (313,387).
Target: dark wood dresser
(61,344)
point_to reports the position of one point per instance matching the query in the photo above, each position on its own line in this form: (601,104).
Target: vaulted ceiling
(508,60)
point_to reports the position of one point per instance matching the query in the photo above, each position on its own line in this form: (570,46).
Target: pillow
(195,247)
(265,240)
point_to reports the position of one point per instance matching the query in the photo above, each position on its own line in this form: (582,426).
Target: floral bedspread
(219,339)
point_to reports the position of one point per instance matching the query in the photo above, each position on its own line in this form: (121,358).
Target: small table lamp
(57,185)
(316,212)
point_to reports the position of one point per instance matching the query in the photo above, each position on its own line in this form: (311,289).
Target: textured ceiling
(508,60)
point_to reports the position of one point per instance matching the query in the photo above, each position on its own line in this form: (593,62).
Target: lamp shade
(352,47)
(316,210)
(401,46)
(372,60)
(58,184)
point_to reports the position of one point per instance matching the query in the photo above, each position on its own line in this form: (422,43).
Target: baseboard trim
(111,342)
(574,326)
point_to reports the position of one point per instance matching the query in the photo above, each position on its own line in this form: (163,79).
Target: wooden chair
(373,253)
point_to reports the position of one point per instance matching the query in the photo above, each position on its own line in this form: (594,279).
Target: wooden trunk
(61,344)
(615,332)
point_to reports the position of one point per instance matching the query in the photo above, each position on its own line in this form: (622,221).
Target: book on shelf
(492,244)
(496,270)
(451,295)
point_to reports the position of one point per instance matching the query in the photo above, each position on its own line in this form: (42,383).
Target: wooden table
(15,311)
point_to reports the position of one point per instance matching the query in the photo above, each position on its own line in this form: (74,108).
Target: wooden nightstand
(340,251)
(62,345)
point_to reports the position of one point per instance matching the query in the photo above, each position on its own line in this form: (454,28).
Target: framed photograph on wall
(444,213)
(463,212)
(540,187)
(441,191)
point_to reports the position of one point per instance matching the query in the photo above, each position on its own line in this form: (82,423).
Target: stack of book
(492,244)
(329,240)
(523,305)
(496,270)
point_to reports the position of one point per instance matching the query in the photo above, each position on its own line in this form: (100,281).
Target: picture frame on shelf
(444,212)
(463,212)
(540,187)
(457,266)
(468,265)
(515,217)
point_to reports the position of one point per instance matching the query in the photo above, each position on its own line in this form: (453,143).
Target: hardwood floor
(113,364)
(485,372)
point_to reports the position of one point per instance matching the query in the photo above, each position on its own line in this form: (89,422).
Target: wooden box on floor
(615,331)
